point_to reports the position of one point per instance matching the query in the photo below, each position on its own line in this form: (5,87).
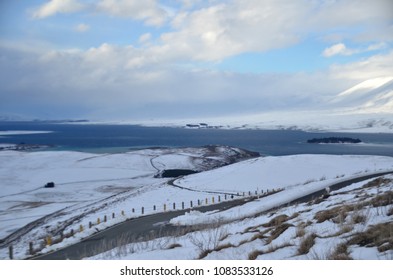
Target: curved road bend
(144,228)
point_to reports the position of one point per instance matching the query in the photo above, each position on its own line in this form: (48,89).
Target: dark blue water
(116,138)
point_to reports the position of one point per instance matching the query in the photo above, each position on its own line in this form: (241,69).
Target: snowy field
(90,186)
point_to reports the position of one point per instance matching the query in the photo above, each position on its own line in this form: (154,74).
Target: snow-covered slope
(90,186)
(285,171)
(370,96)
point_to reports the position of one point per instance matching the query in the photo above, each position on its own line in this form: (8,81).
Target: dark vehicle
(49,185)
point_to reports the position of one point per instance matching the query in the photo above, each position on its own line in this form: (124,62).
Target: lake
(120,138)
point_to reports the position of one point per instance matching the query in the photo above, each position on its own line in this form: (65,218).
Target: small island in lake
(334,140)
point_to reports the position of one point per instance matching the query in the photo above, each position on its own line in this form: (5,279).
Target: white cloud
(215,30)
(148,11)
(144,38)
(338,49)
(225,29)
(376,66)
(376,47)
(341,49)
(57,6)
(82,27)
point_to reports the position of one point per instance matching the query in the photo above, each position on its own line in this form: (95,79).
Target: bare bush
(208,240)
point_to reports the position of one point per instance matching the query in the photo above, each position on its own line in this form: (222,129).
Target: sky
(173,59)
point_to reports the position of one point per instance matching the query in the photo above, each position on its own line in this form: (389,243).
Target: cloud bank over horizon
(118,59)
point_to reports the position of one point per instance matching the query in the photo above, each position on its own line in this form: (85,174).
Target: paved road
(137,229)
(146,227)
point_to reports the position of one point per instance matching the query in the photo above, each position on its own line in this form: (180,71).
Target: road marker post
(31,248)
(11,252)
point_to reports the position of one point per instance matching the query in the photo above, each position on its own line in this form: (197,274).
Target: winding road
(147,227)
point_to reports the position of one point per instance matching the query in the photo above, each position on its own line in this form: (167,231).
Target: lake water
(120,138)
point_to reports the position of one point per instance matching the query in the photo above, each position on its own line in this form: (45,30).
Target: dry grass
(377,182)
(382,199)
(223,246)
(272,249)
(380,236)
(301,230)
(259,235)
(337,214)
(358,218)
(277,232)
(340,253)
(276,221)
(254,254)
(306,244)
(204,254)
